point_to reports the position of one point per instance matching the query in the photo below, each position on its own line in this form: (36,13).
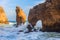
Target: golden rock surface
(3,18)
(20,16)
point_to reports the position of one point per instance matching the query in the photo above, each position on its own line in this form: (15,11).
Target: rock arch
(49,13)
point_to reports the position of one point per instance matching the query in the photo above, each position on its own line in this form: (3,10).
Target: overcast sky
(10,5)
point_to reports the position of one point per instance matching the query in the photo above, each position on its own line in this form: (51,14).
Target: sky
(9,7)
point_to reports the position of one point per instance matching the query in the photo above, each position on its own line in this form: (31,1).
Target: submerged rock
(3,18)
(49,13)
(20,16)
(29,27)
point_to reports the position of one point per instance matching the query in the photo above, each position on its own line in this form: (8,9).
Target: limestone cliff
(49,13)
(3,18)
(20,16)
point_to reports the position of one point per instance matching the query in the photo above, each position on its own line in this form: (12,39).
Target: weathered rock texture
(3,18)
(49,13)
(20,16)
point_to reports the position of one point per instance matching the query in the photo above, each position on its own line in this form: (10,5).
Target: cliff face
(49,13)
(3,18)
(20,16)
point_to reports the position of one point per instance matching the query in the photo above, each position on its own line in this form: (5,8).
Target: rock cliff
(3,18)
(49,13)
(20,16)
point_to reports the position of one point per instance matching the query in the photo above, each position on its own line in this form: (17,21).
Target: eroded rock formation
(49,13)
(20,16)
(3,18)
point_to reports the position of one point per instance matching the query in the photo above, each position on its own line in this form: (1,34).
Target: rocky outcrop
(20,16)
(49,13)
(3,18)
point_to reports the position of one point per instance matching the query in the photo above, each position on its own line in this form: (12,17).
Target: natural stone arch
(49,13)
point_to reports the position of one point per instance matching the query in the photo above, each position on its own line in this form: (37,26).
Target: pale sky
(10,5)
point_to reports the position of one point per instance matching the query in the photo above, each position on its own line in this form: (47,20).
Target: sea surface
(11,32)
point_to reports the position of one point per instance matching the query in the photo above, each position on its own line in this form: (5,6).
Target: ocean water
(10,32)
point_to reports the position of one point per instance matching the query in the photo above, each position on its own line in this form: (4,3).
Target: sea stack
(49,13)
(20,16)
(3,17)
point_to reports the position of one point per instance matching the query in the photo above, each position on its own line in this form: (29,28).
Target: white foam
(11,33)
(38,25)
